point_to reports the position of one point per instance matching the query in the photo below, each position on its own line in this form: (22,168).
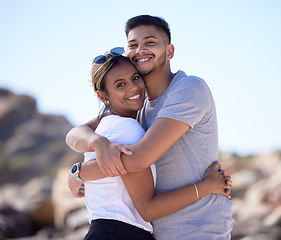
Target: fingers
(119,165)
(226,178)
(114,170)
(215,165)
(125,150)
(227,194)
(219,168)
(228,183)
(223,172)
(110,161)
(76,187)
(107,171)
(120,168)
(81,192)
(227,189)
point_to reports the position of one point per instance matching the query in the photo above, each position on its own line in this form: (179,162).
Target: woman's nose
(133,86)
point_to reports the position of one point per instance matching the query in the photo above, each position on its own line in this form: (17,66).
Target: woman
(121,207)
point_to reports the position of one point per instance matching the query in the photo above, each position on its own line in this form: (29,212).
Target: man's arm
(162,134)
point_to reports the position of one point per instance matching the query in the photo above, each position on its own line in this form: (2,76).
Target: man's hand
(76,187)
(108,157)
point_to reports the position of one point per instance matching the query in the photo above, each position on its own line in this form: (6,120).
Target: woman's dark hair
(148,20)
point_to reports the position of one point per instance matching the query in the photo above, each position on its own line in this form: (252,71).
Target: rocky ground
(35,202)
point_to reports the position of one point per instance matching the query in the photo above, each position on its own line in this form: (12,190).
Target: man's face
(147,49)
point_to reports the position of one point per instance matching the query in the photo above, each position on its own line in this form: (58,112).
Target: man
(179,117)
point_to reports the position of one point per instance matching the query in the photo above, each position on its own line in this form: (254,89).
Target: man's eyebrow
(145,38)
(151,36)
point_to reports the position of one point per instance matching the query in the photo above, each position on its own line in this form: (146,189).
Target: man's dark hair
(148,20)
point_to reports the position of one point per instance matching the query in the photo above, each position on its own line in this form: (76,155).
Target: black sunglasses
(103,58)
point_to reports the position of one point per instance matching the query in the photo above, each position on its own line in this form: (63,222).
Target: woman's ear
(102,96)
(170,51)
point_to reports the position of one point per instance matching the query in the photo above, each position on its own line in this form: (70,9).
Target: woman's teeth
(134,97)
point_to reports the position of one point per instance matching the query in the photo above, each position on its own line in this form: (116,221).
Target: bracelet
(196,191)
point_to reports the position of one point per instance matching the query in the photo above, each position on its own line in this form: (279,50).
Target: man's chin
(145,73)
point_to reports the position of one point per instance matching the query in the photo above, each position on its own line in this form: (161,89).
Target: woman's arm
(141,190)
(84,139)
(81,138)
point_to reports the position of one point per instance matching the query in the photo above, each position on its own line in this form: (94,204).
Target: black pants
(106,229)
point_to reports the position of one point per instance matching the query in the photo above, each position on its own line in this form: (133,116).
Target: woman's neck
(131,115)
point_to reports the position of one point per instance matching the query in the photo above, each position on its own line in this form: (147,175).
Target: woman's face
(125,89)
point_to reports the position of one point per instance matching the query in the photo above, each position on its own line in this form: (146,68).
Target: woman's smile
(136,97)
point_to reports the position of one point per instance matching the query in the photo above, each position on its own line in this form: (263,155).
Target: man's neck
(157,83)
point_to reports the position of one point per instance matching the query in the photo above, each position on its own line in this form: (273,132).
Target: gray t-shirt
(188,99)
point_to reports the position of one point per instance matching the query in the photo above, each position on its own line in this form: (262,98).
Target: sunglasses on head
(103,58)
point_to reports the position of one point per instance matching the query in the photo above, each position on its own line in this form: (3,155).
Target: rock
(35,148)
(260,191)
(36,132)
(242,180)
(274,197)
(15,224)
(63,200)
(274,218)
(266,163)
(33,199)
(14,110)
(231,162)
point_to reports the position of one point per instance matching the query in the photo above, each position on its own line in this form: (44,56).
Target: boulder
(14,110)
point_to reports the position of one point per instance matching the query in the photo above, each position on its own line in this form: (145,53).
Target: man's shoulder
(182,80)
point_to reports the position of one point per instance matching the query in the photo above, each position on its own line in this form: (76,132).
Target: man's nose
(141,49)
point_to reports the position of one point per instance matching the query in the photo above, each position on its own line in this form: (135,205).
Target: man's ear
(102,96)
(170,51)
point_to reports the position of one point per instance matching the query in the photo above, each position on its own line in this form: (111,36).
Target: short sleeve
(127,131)
(118,130)
(186,101)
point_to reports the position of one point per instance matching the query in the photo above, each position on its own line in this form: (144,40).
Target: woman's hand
(76,187)
(218,180)
(228,182)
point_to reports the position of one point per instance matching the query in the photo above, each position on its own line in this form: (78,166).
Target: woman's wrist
(204,187)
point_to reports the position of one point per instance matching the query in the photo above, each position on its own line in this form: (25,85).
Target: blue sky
(46,50)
